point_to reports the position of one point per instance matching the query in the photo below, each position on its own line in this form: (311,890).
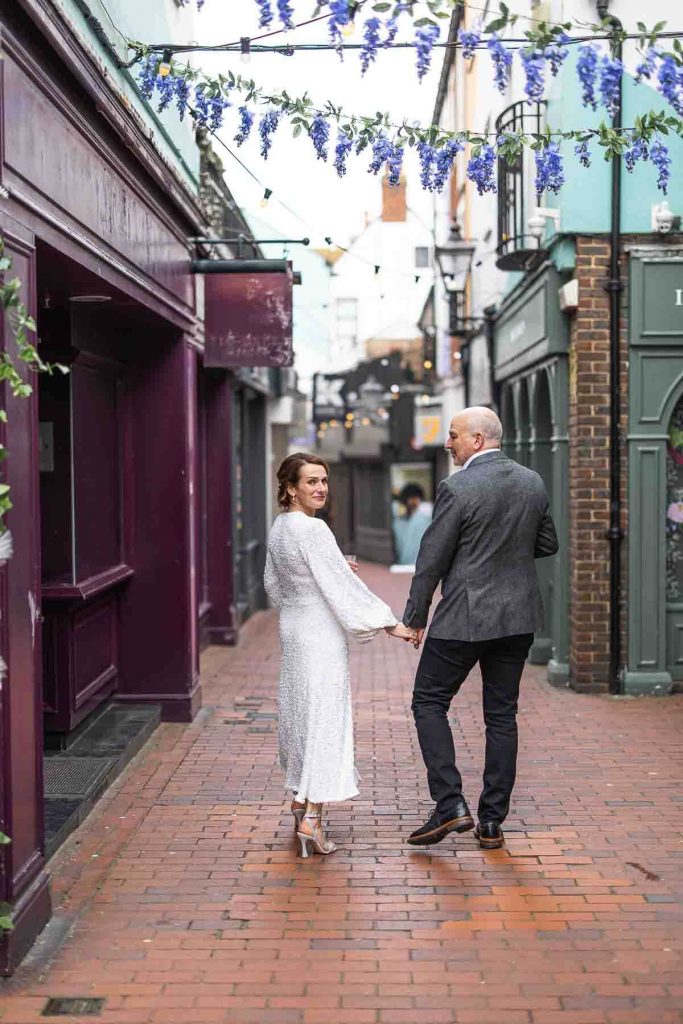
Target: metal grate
(67,1006)
(74,776)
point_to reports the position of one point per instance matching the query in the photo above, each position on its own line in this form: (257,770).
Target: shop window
(674,506)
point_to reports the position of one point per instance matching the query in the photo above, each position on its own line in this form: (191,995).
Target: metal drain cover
(74,776)
(66,1006)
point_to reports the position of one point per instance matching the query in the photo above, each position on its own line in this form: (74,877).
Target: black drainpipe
(614,287)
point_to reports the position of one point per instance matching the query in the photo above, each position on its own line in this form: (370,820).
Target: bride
(320,599)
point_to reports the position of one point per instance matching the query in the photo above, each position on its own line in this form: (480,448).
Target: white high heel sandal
(318,841)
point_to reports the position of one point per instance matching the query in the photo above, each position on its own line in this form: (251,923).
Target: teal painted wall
(584,200)
(149,21)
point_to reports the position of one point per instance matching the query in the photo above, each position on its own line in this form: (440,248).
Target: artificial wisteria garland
(207,100)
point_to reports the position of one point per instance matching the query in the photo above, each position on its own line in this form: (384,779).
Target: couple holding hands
(490,522)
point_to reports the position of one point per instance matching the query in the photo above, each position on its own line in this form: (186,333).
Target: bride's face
(310,491)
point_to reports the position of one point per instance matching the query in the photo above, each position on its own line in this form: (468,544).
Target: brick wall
(589,477)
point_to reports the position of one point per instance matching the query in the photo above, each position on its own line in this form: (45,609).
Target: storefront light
(90,298)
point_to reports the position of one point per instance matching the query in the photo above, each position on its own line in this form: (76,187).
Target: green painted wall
(584,199)
(149,21)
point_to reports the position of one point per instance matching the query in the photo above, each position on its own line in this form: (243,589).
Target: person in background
(408,530)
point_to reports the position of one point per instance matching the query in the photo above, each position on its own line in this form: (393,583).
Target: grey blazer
(490,522)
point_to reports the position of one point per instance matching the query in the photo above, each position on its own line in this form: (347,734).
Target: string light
(266,196)
(165,66)
(245,49)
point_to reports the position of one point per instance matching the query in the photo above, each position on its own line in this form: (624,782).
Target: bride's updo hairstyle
(288,473)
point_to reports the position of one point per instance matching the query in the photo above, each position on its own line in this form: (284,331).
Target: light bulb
(165,65)
(348,29)
(245,49)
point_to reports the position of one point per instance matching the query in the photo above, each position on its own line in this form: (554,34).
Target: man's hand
(401,632)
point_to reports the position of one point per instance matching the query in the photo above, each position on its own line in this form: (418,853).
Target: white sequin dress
(320,600)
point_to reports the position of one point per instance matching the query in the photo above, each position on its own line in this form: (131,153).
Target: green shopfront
(655,470)
(531,372)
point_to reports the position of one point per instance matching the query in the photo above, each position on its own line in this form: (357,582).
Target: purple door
(23,877)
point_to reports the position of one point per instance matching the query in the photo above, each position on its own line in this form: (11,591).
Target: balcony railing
(517,248)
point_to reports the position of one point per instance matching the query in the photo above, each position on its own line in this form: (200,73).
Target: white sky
(329,205)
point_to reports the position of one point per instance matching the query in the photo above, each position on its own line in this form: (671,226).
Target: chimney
(394,205)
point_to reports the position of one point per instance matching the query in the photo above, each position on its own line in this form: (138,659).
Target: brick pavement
(182,899)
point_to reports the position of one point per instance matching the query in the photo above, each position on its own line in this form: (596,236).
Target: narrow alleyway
(182,898)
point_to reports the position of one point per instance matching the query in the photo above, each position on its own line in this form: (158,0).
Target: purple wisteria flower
(502,62)
(340,15)
(209,107)
(659,154)
(469,39)
(646,66)
(556,52)
(320,135)
(165,87)
(583,153)
(587,70)
(371,43)
(425,37)
(265,13)
(266,128)
(549,174)
(480,170)
(533,62)
(382,150)
(395,164)
(427,156)
(147,75)
(611,71)
(286,12)
(670,82)
(342,148)
(391,26)
(638,150)
(182,95)
(444,162)
(246,124)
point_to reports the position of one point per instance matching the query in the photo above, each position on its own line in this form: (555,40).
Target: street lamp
(455,259)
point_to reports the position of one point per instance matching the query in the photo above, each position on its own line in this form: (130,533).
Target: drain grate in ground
(65,1006)
(74,776)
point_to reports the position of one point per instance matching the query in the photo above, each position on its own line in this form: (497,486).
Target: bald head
(473,430)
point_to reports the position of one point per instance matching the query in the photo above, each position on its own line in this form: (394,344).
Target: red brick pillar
(589,381)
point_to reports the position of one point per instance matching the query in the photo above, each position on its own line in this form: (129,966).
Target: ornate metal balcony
(517,249)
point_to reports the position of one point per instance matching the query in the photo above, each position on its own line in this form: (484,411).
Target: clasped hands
(407,633)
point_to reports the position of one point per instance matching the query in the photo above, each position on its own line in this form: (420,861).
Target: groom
(490,522)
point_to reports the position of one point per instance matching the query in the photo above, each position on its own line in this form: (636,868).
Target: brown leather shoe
(438,826)
(490,835)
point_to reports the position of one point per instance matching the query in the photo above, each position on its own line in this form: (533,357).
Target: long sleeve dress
(320,600)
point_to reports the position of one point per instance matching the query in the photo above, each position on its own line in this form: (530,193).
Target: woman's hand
(353,566)
(402,632)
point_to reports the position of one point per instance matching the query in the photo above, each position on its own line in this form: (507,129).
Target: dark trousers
(444,666)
